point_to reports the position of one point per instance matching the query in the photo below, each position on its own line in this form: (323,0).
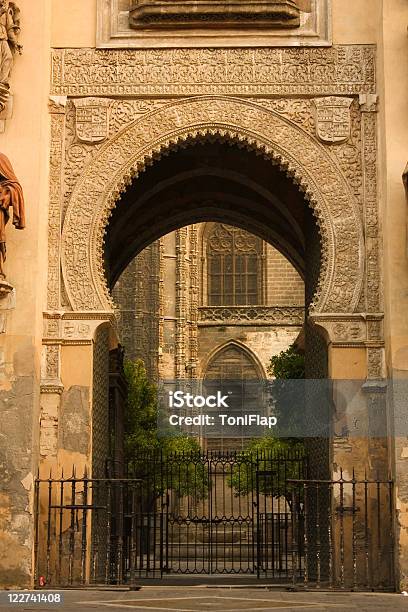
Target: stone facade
(324,105)
(167,297)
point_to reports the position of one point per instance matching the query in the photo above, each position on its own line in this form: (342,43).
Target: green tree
(278,459)
(140,424)
(288,365)
(287,392)
(163,462)
(266,464)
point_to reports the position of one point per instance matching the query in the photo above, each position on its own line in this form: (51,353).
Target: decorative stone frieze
(251,315)
(340,70)
(369,107)
(363,330)
(73,328)
(57,145)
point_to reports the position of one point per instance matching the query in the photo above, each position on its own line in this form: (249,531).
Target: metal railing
(347,539)
(216,513)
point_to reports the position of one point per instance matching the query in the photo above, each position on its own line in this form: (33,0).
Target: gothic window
(231,363)
(234,260)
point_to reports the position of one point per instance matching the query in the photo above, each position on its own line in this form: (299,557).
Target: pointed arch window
(234,260)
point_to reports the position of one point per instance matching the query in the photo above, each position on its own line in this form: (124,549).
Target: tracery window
(234,267)
(231,363)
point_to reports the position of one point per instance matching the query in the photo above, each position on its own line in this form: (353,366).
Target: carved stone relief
(92,119)
(193,301)
(181,302)
(375,363)
(78,153)
(340,70)
(9,45)
(164,16)
(252,315)
(334,204)
(368,105)
(338,177)
(57,143)
(333,121)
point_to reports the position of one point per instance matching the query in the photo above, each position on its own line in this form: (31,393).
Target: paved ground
(200,599)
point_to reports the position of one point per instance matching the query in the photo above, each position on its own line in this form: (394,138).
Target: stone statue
(11,195)
(9,32)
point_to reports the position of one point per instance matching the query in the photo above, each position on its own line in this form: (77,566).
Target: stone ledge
(114,29)
(166,14)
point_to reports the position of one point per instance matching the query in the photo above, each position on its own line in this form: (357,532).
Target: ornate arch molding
(305,161)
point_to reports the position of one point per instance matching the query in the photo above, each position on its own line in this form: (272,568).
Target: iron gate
(185,513)
(221,514)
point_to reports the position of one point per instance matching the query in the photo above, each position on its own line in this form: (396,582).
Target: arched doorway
(223,160)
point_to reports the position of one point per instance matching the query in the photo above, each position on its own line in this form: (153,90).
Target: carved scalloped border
(143,142)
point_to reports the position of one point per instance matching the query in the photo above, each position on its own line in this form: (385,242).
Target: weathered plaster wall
(73,23)
(393,74)
(25,142)
(357,21)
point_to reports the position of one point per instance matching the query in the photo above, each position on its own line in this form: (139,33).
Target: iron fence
(347,539)
(215,513)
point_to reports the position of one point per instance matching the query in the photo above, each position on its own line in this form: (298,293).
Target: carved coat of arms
(92,119)
(333,120)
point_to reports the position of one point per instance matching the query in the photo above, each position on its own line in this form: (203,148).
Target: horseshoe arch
(298,154)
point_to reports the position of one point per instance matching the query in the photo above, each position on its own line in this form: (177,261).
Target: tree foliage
(146,452)
(287,392)
(140,411)
(278,458)
(266,464)
(288,365)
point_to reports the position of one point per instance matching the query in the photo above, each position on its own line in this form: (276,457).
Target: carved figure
(11,195)
(9,32)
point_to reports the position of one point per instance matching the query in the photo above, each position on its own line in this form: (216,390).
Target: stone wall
(156,298)
(284,286)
